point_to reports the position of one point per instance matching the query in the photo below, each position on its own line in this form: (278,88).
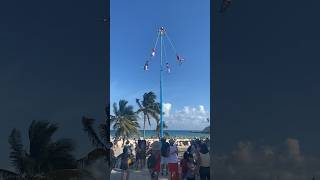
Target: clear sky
(53,67)
(134,26)
(266,66)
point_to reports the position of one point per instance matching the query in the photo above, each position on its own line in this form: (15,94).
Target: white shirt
(173,157)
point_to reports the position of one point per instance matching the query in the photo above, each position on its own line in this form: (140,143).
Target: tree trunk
(144,127)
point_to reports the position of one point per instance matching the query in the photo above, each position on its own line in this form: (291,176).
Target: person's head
(128,142)
(190,157)
(204,148)
(155,146)
(191,142)
(198,142)
(163,140)
(171,141)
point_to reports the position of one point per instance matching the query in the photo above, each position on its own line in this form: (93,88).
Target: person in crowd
(207,141)
(204,162)
(173,161)
(191,168)
(195,154)
(138,155)
(153,161)
(165,151)
(128,146)
(191,148)
(124,166)
(183,165)
(143,157)
(115,142)
(111,159)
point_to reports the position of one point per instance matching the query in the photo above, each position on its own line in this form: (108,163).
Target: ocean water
(172,133)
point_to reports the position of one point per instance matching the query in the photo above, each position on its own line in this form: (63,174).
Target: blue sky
(134,27)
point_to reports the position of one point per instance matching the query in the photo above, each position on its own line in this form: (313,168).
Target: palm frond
(96,154)
(6,174)
(87,124)
(148,118)
(158,126)
(139,104)
(122,106)
(154,114)
(115,109)
(17,153)
(40,134)
(60,155)
(103,129)
(125,120)
(148,98)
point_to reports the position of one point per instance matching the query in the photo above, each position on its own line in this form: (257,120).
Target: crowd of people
(161,158)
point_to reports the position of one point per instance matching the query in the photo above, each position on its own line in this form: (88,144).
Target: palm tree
(148,108)
(124,120)
(99,140)
(45,156)
(158,129)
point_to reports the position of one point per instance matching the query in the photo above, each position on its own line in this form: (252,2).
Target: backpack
(165,149)
(151,161)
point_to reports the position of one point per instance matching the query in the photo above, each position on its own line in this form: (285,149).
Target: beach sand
(135,175)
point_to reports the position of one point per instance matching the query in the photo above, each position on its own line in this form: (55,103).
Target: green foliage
(124,120)
(44,155)
(149,108)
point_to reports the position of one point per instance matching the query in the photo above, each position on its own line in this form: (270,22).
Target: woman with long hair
(204,162)
(124,166)
(191,165)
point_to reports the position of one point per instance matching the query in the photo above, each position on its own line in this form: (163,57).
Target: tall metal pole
(161,69)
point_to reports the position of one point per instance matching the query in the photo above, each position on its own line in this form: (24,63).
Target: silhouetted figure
(313,178)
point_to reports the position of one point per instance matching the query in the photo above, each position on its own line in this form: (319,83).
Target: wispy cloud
(167,109)
(187,118)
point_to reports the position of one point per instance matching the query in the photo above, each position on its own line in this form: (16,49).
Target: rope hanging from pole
(180,59)
(174,49)
(161,33)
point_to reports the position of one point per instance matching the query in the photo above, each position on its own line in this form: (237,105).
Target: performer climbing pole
(162,34)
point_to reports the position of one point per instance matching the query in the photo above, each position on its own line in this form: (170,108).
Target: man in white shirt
(173,161)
